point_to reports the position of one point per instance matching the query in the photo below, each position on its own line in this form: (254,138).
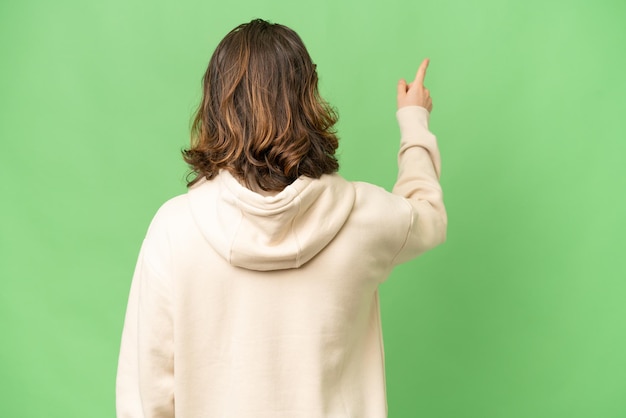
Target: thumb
(402,87)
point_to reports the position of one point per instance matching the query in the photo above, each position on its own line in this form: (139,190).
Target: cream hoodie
(251,306)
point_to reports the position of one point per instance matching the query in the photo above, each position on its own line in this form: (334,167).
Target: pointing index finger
(421,72)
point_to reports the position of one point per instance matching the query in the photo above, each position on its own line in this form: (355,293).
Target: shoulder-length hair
(261,116)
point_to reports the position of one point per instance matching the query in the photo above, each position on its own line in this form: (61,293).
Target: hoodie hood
(278,232)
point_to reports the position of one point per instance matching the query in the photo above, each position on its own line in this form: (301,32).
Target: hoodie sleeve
(145,375)
(419,169)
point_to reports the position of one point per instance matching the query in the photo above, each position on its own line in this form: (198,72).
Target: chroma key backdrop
(520,314)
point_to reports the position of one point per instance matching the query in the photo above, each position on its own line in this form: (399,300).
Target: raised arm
(419,169)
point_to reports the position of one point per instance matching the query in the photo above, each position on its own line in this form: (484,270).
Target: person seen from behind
(255,294)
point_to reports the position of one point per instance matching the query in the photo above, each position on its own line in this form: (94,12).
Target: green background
(522,313)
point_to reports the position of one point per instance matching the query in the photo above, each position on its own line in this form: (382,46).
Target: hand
(415,94)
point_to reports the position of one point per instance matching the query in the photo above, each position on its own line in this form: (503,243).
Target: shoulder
(174,206)
(170,230)
(170,215)
(379,222)
(380,209)
(375,198)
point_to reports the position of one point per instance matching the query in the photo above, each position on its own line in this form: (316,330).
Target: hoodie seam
(408,233)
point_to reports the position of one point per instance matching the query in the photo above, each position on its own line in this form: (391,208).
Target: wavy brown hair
(261,116)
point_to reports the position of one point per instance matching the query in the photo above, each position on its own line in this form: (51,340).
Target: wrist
(410,115)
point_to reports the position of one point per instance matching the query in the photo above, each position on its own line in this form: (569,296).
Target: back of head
(261,116)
